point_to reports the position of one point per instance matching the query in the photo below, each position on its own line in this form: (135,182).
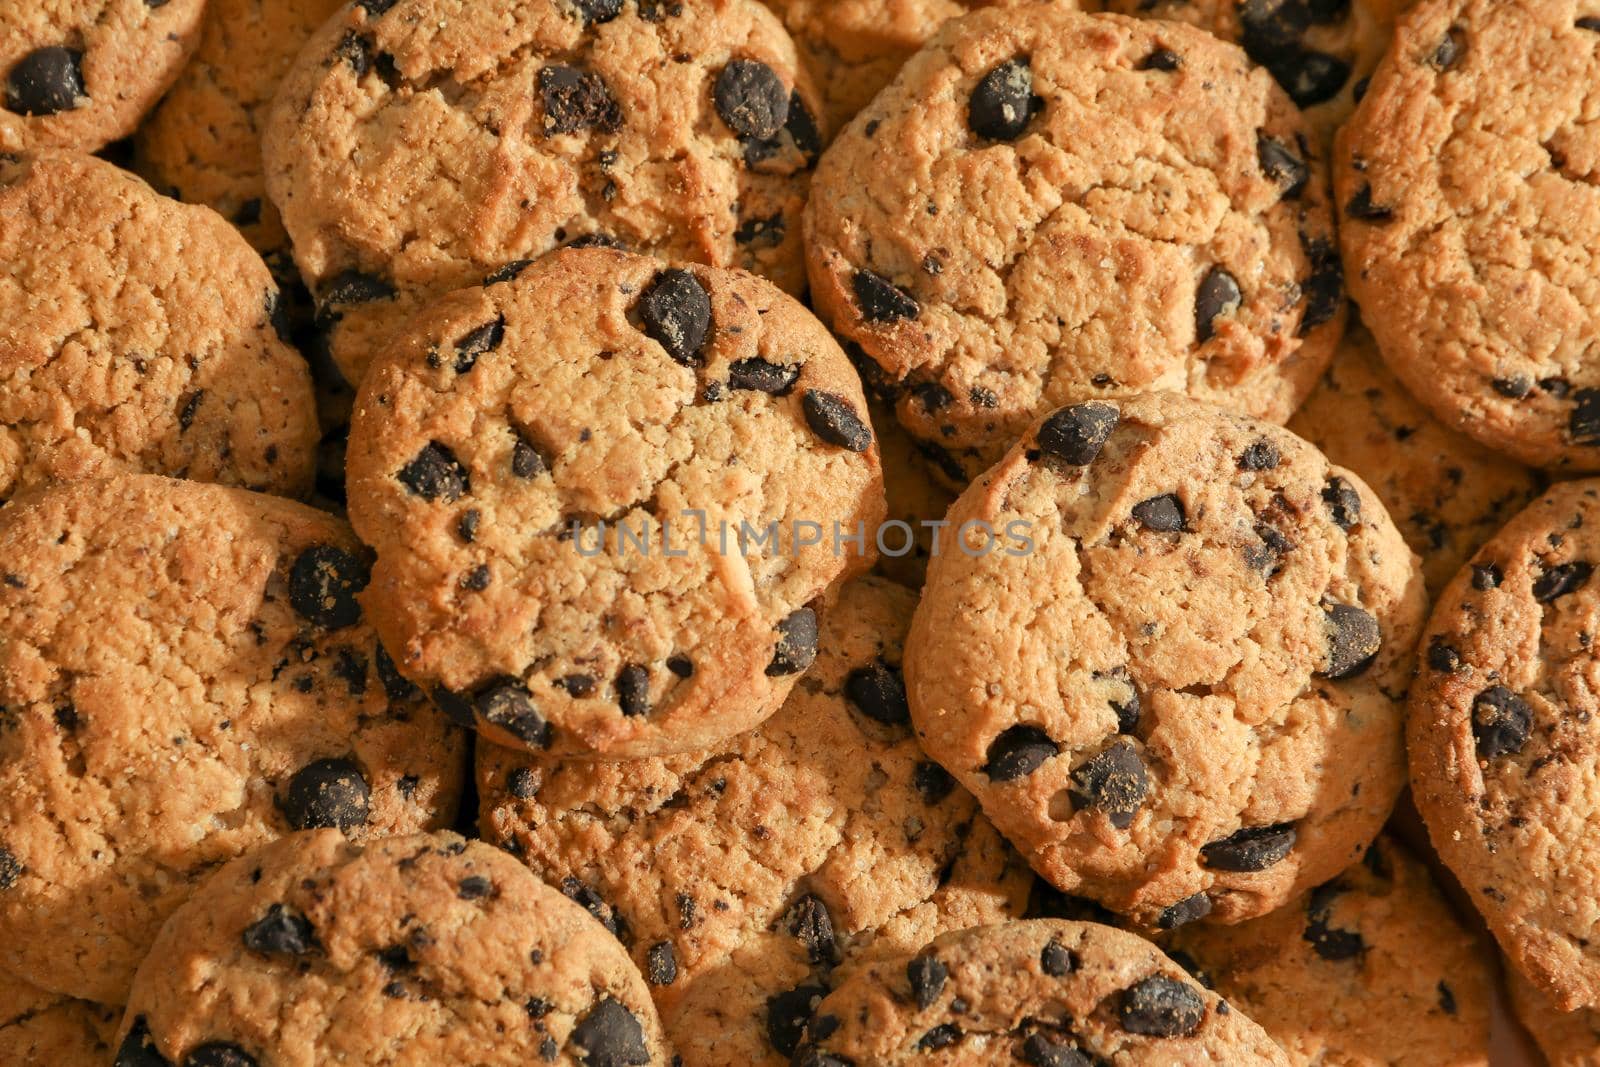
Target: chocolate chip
(1308,76)
(787,1014)
(11,869)
(927,977)
(435,474)
(1589,22)
(508,272)
(1282,166)
(278,316)
(507,704)
(1018,751)
(1163,59)
(1353,641)
(1113,782)
(1442,657)
(467,525)
(1041,1051)
(280,932)
(1323,288)
(1217,297)
(323,583)
(1330,943)
(878,692)
(395,685)
(633,690)
(1075,435)
(1501,722)
(137,1050)
(1514,388)
(1002,102)
(799,132)
(355,287)
(526,460)
(576,100)
(1261,455)
(592,902)
(1163,514)
(190,408)
(1447,998)
(1055,959)
(474,887)
(1560,580)
(1450,49)
(880,300)
(1160,1006)
(1361,207)
(751,99)
(1343,503)
(676,312)
(1254,848)
(832,418)
(932,782)
(522,783)
(577,685)
(1189,909)
(681,665)
(1583,424)
(457,707)
(46,81)
(761,233)
(941,1036)
(763,377)
(610,1036)
(219,1054)
(661,964)
(479,342)
(595,12)
(810,922)
(327,794)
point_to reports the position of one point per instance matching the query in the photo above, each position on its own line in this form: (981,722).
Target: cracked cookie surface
(79,74)
(138,334)
(1447,493)
(656,411)
(418,146)
(1047,206)
(1043,992)
(39,1029)
(1469,183)
(184,674)
(1504,741)
(750,878)
(425,949)
(1174,681)
(1369,970)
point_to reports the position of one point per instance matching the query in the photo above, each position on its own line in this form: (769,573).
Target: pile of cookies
(841,533)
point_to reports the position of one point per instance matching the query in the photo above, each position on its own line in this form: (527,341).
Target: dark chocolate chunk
(676,312)
(1018,751)
(1353,641)
(323,584)
(328,793)
(1075,435)
(46,81)
(832,418)
(1159,1006)
(1501,722)
(1254,848)
(1114,782)
(1002,102)
(751,99)
(878,692)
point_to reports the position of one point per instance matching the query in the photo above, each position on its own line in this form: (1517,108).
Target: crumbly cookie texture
(556,472)
(79,74)
(1447,493)
(1173,678)
(1047,207)
(418,146)
(139,335)
(1504,742)
(1368,970)
(749,879)
(419,949)
(184,674)
(1567,1039)
(1323,54)
(1044,991)
(1471,227)
(39,1029)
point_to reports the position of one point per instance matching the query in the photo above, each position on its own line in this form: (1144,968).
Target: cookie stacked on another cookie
(39,1029)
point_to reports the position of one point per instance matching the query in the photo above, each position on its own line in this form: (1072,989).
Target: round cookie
(1567,1039)
(184,674)
(687,130)
(1322,53)
(138,334)
(1447,493)
(1471,224)
(1367,970)
(1040,992)
(421,949)
(39,1029)
(1504,743)
(1047,207)
(80,74)
(1172,673)
(748,879)
(557,472)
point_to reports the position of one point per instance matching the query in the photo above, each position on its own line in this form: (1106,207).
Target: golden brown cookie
(39,1029)
(185,673)
(1567,1039)
(1165,645)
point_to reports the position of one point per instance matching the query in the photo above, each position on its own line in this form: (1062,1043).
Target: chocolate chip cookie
(1044,992)
(1504,742)
(81,73)
(184,673)
(1368,970)
(139,334)
(1471,227)
(1048,207)
(39,1029)
(1321,51)
(1567,1039)
(1166,645)
(418,146)
(609,498)
(750,878)
(421,949)
(1447,493)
